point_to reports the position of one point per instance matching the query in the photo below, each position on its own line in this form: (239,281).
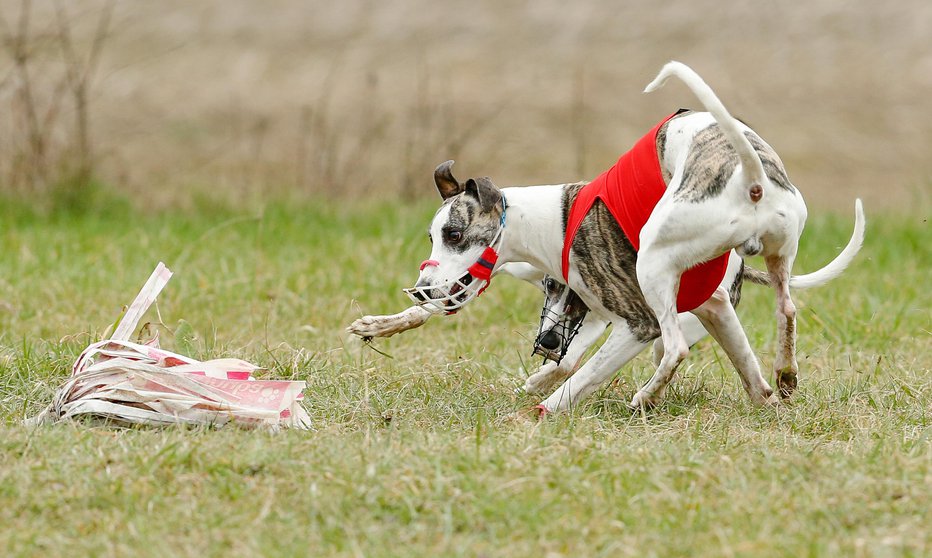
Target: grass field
(414,455)
(269,152)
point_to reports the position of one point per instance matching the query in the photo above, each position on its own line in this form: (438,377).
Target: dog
(564,316)
(724,189)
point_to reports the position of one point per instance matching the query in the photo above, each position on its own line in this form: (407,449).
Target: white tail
(751,166)
(841,261)
(832,270)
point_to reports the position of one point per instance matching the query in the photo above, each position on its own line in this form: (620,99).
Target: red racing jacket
(630,190)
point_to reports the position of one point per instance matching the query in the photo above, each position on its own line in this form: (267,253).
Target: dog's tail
(751,166)
(830,271)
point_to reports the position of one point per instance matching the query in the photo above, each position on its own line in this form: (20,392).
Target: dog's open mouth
(461,284)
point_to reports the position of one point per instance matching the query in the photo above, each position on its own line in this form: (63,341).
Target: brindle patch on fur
(607,262)
(661,147)
(478,228)
(712,161)
(570,191)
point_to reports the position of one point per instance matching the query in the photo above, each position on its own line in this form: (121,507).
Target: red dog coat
(631,190)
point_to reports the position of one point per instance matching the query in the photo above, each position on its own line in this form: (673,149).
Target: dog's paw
(368,327)
(526,389)
(545,379)
(535,385)
(643,400)
(386,326)
(773,401)
(766,397)
(786,382)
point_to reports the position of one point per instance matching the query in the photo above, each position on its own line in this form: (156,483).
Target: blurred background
(240,101)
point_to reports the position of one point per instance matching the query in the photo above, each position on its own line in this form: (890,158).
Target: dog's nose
(550,341)
(420,294)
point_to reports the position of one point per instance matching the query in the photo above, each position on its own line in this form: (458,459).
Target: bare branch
(79,74)
(72,67)
(52,111)
(100,35)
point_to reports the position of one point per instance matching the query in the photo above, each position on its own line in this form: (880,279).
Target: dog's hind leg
(620,347)
(693,332)
(720,320)
(785,364)
(659,281)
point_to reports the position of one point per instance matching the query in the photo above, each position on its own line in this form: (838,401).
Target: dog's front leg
(693,332)
(620,347)
(550,373)
(386,326)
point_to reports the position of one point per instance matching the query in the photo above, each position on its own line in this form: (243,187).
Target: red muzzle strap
(483,267)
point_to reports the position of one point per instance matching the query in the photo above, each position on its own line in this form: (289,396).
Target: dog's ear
(484,191)
(443,177)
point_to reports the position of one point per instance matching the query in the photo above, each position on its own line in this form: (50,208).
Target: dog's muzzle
(555,335)
(448,297)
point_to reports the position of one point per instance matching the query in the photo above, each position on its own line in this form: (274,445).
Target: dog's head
(463,234)
(560,320)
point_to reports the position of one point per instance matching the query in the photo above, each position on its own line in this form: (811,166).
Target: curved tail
(751,166)
(830,271)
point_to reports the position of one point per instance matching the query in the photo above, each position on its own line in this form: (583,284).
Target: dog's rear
(754,212)
(753,173)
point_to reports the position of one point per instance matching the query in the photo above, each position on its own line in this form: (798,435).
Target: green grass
(415,455)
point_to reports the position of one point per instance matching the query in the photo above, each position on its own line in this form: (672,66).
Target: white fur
(676,236)
(841,262)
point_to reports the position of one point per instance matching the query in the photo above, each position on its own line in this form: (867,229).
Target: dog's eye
(453,236)
(550,285)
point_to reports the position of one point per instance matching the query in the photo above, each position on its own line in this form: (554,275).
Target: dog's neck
(534,227)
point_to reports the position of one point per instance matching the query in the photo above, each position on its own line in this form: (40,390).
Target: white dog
(638,256)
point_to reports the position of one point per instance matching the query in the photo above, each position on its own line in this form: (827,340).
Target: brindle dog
(722,194)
